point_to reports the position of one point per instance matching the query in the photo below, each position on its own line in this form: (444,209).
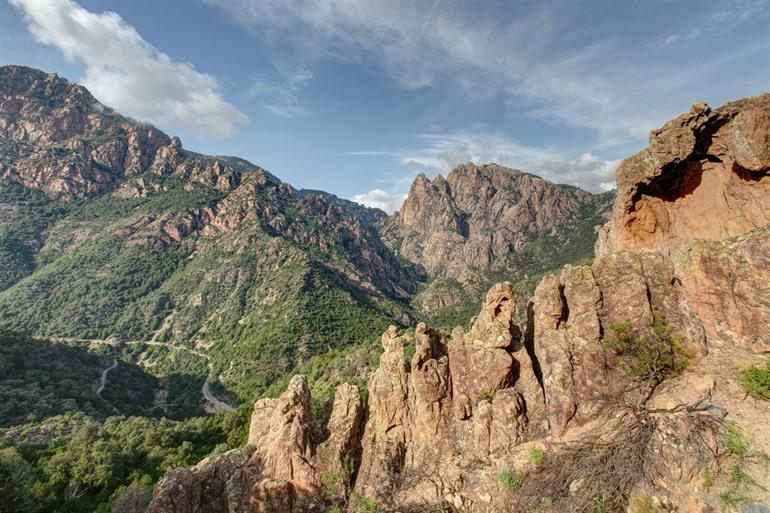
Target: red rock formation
(457,226)
(279,470)
(441,428)
(705,175)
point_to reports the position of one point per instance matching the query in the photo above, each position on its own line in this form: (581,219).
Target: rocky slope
(110,229)
(464,224)
(484,223)
(619,393)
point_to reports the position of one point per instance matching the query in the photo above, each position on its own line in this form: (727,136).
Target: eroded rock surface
(462,224)
(279,470)
(444,428)
(705,174)
(729,283)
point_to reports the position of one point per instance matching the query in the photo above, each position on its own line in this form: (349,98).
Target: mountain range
(111,230)
(499,344)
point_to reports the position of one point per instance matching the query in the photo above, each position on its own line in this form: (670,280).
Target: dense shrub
(652,353)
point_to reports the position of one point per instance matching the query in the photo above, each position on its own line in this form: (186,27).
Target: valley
(191,334)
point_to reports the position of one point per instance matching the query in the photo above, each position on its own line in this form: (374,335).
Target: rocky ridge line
(441,430)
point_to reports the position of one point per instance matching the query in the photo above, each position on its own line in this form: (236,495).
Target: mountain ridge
(624,390)
(109,228)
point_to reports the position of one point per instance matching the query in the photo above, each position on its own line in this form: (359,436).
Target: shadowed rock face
(705,175)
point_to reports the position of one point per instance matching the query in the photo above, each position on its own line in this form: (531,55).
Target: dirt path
(103,383)
(103,378)
(215,404)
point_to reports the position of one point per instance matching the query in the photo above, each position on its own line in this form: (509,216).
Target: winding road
(216,405)
(103,378)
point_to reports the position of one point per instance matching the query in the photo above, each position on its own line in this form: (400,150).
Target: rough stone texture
(336,453)
(705,175)
(435,425)
(56,137)
(729,283)
(456,226)
(43,117)
(280,468)
(441,428)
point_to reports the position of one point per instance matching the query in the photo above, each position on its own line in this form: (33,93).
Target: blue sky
(357,97)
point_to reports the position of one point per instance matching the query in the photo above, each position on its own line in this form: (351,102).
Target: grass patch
(511,479)
(731,499)
(756,381)
(644,503)
(536,455)
(734,441)
(487,395)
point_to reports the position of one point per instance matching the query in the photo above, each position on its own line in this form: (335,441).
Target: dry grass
(602,470)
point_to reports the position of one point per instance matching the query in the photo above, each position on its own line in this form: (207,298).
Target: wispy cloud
(438,153)
(736,11)
(668,41)
(283,98)
(127,73)
(532,55)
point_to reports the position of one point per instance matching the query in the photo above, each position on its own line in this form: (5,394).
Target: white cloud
(531,54)
(670,40)
(377,198)
(283,99)
(439,153)
(127,73)
(587,171)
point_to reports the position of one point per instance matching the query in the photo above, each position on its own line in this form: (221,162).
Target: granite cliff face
(704,175)
(546,416)
(56,137)
(485,223)
(464,224)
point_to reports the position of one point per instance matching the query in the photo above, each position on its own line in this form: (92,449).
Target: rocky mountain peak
(45,88)
(456,226)
(497,417)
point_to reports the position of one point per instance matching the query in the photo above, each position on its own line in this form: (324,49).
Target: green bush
(336,482)
(653,353)
(72,463)
(360,504)
(536,455)
(511,479)
(756,381)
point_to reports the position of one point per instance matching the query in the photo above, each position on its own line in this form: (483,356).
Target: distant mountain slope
(485,223)
(109,229)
